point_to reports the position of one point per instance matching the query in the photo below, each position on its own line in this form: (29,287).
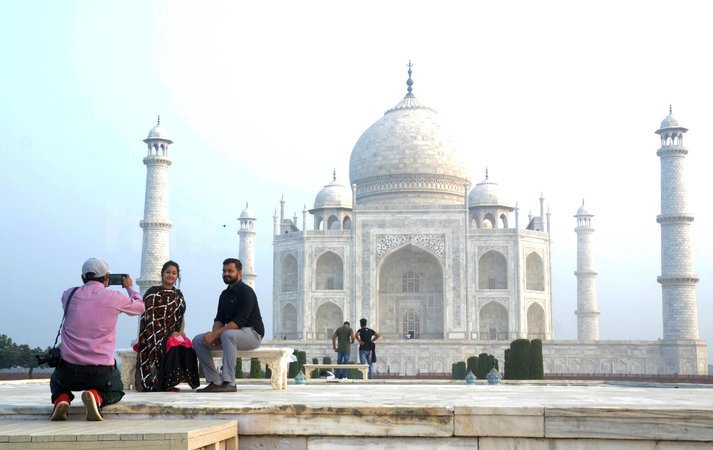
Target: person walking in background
(237,326)
(89,342)
(367,349)
(342,341)
(165,356)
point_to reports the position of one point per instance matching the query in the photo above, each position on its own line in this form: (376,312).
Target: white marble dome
(669,122)
(486,193)
(333,195)
(158,132)
(583,212)
(247,213)
(407,152)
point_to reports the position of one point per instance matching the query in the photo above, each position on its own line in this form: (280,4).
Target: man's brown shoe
(208,388)
(225,387)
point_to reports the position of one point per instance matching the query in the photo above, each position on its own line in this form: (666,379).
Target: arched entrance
(410,295)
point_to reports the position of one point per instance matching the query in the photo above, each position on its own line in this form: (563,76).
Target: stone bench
(276,358)
(364,368)
(78,434)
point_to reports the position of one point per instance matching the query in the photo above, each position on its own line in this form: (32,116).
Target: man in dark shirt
(237,326)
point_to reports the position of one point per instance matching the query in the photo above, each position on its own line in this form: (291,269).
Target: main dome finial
(409,82)
(158,120)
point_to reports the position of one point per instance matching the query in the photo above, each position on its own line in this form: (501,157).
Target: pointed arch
(503,220)
(329,272)
(534,273)
(488,221)
(493,322)
(288,321)
(347,223)
(400,304)
(535,322)
(327,318)
(333,223)
(492,271)
(288,274)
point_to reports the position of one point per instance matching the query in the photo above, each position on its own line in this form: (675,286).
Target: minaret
(247,246)
(678,282)
(587,309)
(156,225)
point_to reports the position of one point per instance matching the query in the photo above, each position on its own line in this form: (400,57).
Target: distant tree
(506,364)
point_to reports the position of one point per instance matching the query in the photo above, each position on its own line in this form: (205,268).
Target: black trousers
(72,377)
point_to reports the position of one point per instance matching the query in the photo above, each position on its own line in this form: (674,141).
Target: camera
(51,358)
(115,278)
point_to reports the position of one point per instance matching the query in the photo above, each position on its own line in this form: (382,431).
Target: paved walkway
(525,414)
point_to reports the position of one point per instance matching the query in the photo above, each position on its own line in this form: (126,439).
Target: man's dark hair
(362,322)
(235,261)
(346,323)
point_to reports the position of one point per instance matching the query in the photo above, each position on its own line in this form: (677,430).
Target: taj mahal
(444,269)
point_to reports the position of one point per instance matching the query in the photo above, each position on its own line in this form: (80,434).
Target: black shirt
(238,304)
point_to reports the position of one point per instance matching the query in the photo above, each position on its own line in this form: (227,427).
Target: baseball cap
(96,266)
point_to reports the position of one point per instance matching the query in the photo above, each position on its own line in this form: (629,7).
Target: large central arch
(410,295)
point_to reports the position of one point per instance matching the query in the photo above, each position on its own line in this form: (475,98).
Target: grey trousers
(230,342)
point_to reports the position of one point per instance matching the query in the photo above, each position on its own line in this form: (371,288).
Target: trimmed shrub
(482,368)
(460,370)
(301,360)
(268,372)
(472,365)
(239,368)
(520,359)
(293,368)
(255,368)
(315,372)
(537,371)
(506,365)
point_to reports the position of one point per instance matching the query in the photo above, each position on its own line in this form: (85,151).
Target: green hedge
(519,365)
(537,370)
(239,368)
(255,368)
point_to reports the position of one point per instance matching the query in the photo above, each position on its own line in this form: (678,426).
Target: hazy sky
(264,99)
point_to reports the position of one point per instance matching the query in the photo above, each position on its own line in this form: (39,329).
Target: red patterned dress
(159,368)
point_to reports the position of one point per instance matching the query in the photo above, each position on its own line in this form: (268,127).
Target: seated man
(89,341)
(237,326)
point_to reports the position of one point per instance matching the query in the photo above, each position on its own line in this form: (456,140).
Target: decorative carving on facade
(319,251)
(435,243)
(431,182)
(537,250)
(503,249)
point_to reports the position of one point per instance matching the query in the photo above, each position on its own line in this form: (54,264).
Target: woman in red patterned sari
(165,356)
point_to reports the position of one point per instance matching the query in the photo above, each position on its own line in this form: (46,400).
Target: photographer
(89,341)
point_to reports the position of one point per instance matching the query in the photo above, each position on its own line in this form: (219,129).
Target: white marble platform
(421,415)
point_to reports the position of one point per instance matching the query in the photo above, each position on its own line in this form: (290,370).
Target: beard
(229,280)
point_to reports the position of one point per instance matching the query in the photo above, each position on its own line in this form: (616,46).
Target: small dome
(486,193)
(247,213)
(334,195)
(669,122)
(583,212)
(158,132)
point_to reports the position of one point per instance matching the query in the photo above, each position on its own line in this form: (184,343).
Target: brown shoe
(208,388)
(225,387)
(60,411)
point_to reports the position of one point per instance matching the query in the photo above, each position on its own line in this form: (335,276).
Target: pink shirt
(89,331)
